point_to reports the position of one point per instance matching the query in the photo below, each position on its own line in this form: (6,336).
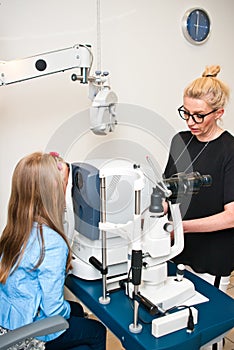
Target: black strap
(217,281)
(216,284)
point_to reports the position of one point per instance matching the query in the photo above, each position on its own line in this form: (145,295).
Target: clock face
(196,26)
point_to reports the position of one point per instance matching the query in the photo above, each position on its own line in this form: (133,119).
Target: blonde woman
(206,147)
(208,217)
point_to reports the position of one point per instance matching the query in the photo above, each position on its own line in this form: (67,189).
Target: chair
(13,339)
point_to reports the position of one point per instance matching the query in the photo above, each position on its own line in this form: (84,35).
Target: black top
(211,252)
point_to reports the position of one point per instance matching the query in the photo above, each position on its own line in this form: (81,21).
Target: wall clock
(196,26)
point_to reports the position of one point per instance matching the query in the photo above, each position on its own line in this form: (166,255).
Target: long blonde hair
(37,195)
(209,88)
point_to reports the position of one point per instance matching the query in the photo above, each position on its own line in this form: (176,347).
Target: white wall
(150,62)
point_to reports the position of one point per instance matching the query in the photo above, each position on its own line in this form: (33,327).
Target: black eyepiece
(181,183)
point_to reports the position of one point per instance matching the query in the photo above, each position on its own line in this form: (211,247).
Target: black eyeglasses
(196,117)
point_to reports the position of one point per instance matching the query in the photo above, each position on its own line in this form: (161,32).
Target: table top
(215,317)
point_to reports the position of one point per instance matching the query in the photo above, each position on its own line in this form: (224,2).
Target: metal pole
(136,327)
(104,299)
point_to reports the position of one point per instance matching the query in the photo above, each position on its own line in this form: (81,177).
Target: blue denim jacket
(29,295)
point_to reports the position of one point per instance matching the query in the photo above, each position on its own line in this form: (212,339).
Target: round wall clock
(196,26)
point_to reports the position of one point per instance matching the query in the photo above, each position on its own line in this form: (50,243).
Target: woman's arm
(216,222)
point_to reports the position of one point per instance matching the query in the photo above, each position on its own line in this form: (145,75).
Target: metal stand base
(135,329)
(104,301)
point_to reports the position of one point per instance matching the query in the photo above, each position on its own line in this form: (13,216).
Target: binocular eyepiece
(181,183)
(178,184)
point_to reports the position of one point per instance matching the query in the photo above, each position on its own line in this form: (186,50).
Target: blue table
(214,317)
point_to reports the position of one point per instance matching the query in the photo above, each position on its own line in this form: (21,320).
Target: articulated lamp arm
(102,112)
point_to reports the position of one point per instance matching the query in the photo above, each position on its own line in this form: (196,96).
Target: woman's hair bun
(211,71)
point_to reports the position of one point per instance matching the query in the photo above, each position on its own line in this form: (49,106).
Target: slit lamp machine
(122,234)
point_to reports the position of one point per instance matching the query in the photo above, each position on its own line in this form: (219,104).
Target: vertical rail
(136,327)
(104,299)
